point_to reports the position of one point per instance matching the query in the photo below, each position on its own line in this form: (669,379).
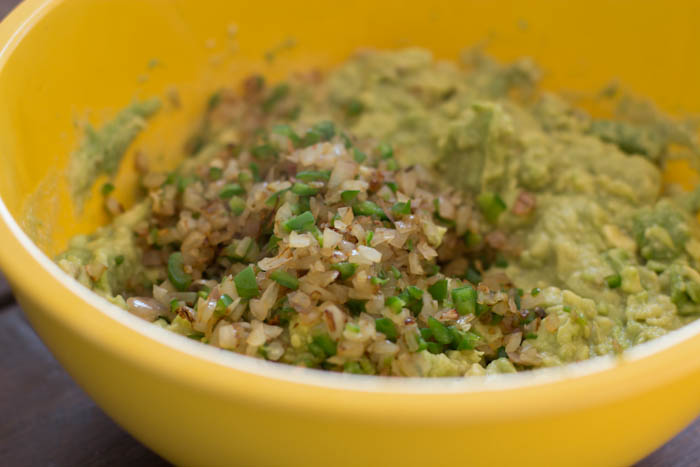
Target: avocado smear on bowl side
(406,216)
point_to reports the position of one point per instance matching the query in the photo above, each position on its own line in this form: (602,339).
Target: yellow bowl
(67,61)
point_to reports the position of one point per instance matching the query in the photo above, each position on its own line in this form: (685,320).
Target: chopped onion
(297,240)
(260,308)
(335,319)
(274,262)
(274,351)
(331,238)
(407,181)
(95,270)
(225,336)
(272,332)
(351,349)
(384,348)
(299,301)
(512,341)
(551,322)
(146,308)
(343,170)
(369,254)
(427,252)
(256,337)
(414,265)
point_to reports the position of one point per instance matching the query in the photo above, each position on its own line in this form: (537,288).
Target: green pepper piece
(385,151)
(472,239)
(472,275)
(302,222)
(222,304)
(286,130)
(314,175)
(231,189)
(349,195)
(358,155)
(264,151)
(302,189)
(285,279)
(401,209)
(464,299)
(246,283)
(614,281)
(386,327)
(176,273)
(414,292)
(434,347)
(439,330)
(215,173)
(277,93)
(395,304)
(274,197)
(346,270)
(107,188)
(439,290)
(356,306)
(326,343)
(237,205)
(491,206)
(354,107)
(326,129)
(368,208)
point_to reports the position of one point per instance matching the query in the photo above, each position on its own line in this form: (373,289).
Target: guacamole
(603,242)
(102,150)
(404,216)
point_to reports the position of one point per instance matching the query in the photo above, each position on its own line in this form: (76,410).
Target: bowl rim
(23,261)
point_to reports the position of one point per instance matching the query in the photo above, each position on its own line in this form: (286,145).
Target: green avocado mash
(600,208)
(531,234)
(102,150)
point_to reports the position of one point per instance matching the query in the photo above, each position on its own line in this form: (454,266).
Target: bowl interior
(55,79)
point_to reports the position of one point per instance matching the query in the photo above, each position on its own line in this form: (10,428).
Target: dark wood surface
(47,420)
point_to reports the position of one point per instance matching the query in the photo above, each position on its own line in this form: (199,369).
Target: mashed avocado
(600,208)
(477,224)
(109,260)
(103,149)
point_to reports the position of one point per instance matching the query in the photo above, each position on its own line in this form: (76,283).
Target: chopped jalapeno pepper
(439,290)
(285,279)
(176,273)
(395,304)
(346,270)
(386,327)
(303,221)
(302,189)
(401,209)
(237,205)
(246,283)
(349,195)
(232,189)
(464,299)
(491,206)
(439,330)
(368,208)
(314,175)
(614,281)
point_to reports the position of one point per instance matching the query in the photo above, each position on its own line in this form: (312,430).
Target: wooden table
(46,419)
